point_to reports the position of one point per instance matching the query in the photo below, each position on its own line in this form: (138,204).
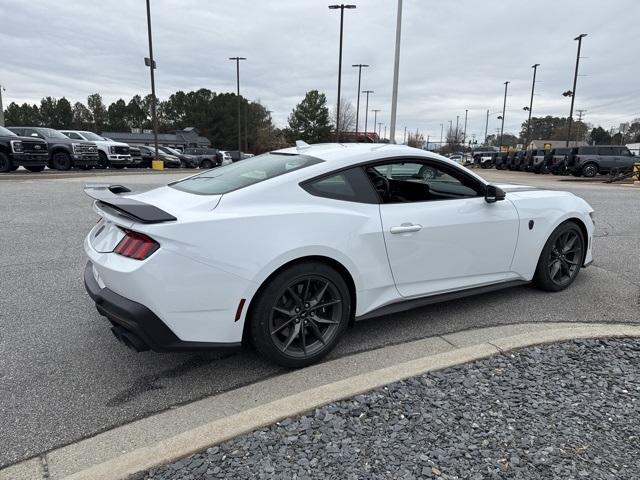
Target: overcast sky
(455,55)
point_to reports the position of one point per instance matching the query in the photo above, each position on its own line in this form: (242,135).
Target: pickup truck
(15,151)
(64,153)
(110,153)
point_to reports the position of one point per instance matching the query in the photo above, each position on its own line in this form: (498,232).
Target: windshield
(92,136)
(7,133)
(51,133)
(244,173)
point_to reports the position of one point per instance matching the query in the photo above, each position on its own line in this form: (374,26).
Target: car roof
(344,152)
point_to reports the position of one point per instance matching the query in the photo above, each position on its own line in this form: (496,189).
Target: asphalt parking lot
(64,377)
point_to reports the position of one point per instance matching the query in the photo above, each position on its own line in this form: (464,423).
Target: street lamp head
(507,83)
(582,35)
(535,65)
(342,5)
(526,109)
(237,58)
(367,91)
(499,117)
(568,93)
(360,65)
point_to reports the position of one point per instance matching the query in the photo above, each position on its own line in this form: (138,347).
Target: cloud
(456,55)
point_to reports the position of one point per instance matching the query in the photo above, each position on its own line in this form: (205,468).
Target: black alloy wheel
(61,161)
(590,170)
(207,164)
(300,315)
(561,258)
(5,163)
(103,160)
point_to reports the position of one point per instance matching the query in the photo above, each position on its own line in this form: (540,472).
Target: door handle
(406,228)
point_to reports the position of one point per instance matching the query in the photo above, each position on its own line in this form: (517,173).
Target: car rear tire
(590,170)
(61,161)
(561,258)
(35,169)
(5,163)
(206,164)
(300,315)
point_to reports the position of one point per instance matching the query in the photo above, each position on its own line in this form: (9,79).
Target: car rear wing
(110,198)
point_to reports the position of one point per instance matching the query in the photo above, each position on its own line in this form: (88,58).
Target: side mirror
(493,194)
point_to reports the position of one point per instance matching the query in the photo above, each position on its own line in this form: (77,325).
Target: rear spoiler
(110,196)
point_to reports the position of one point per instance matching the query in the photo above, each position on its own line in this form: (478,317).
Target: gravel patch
(569,410)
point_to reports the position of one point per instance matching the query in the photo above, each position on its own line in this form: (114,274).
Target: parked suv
(64,153)
(205,157)
(538,162)
(591,160)
(110,153)
(516,161)
(15,151)
(562,157)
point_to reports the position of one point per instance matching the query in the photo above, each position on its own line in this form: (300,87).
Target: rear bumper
(142,322)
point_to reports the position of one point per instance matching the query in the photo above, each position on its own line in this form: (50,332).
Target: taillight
(136,245)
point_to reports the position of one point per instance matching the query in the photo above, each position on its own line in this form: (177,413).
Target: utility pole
(360,66)
(464,133)
(575,81)
(504,109)
(246,129)
(441,132)
(533,86)
(152,66)
(404,138)
(366,111)
(486,128)
(396,69)
(385,131)
(237,60)
(1,107)
(457,122)
(375,120)
(341,7)
(427,143)
(379,129)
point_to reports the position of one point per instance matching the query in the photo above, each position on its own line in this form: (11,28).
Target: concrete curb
(452,350)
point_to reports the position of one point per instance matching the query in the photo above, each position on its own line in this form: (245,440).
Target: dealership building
(187,137)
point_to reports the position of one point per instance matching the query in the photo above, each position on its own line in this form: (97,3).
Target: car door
(440,233)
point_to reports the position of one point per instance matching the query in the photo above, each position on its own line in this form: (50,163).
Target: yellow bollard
(157,165)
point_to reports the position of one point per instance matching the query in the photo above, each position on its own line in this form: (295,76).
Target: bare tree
(415,140)
(347,116)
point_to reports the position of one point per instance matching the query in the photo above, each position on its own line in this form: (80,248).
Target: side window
(348,185)
(74,136)
(30,132)
(606,151)
(411,181)
(587,151)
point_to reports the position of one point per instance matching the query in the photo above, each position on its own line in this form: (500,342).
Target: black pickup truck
(15,151)
(64,152)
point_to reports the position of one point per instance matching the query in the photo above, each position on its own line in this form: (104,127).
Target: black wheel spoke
(294,294)
(325,304)
(306,291)
(324,321)
(295,332)
(555,267)
(316,331)
(321,293)
(288,313)
(303,339)
(283,326)
(569,244)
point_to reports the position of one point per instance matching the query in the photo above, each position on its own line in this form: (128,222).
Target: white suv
(112,154)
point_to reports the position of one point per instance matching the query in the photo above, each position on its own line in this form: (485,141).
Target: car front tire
(61,161)
(5,163)
(590,170)
(300,315)
(561,258)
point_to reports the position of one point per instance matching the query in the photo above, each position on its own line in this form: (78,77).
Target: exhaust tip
(129,339)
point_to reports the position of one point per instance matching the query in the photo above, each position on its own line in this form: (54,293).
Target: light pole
(404,138)
(152,66)
(341,7)
(237,60)
(441,132)
(360,66)
(457,122)
(366,111)
(379,129)
(486,127)
(504,109)
(530,108)
(464,133)
(385,132)
(575,80)
(375,120)
(1,107)
(396,69)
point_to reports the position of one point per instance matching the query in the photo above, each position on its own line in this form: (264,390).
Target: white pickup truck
(112,154)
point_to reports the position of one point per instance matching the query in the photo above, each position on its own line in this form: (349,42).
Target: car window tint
(238,175)
(606,151)
(587,150)
(401,182)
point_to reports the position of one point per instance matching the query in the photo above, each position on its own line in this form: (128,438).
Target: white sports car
(284,250)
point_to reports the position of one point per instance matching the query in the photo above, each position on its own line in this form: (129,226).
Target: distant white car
(111,153)
(287,248)
(457,158)
(226,158)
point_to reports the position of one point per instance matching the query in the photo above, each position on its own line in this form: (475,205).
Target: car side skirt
(412,303)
